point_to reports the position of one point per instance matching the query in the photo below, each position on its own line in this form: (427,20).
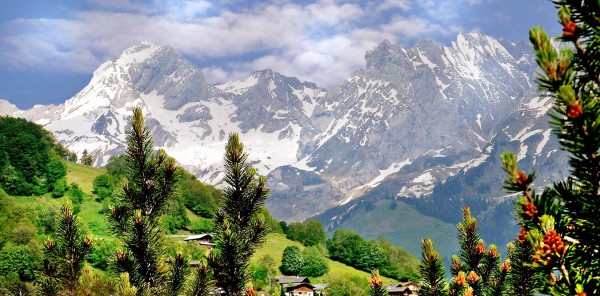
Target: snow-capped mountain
(406,124)
(412,118)
(188,118)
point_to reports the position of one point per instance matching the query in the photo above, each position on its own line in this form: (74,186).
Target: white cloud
(323,42)
(390,4)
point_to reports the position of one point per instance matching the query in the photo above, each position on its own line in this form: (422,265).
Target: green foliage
(11,284)
(75,194)
(201,283)
(314,234)
(351,249)
(59,188)
(47,214)
(292,261)
(24,232)
(22,260)
(272,225)
(67,252)
(200,198)
(105,186)
(432,271)
(343,246)
(175,216)
(314,262)
(338,285)
(263,271)
(104,250)
(116,166)
(238,228)
(284,227)
(369,256)
(401,264)
(150,181)
(86,158)
(476,271)
(201,226)
(522,279)
(310,233)
(15,222)
(29,164)
(562,223)
(295,231)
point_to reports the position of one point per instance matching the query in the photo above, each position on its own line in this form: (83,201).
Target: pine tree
(150,181)
(432,271)
(238,228)
(201,283)
(563,221)
(522,279)
(476,271)
(65,254)
(376,286)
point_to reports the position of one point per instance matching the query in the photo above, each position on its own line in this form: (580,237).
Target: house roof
(298,285)
(320,286)
(198,236)
(395,288)
(292,279)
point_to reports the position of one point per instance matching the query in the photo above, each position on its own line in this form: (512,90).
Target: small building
(296,285)
(203,239)
(402,290)
(300,289)
(285,280)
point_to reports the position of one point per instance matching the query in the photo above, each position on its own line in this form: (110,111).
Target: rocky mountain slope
(413,123)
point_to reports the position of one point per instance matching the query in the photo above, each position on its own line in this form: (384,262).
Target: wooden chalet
(296,285)
(403,290)
(203,239)
(300,289)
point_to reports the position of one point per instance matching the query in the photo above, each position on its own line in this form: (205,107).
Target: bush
(103,251)
(202,199)
(314,263)
(310,233)
(29,165)
(201,226)
(60,187)
(104,186)
(21,260)
(75,194)
(292,261)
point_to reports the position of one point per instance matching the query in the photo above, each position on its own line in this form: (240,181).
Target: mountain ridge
(407,123)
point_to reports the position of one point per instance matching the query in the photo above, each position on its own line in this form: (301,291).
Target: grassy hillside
(403,226)
(84,175)
(276,243)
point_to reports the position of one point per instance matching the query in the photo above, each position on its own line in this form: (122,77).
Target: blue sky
(49,49)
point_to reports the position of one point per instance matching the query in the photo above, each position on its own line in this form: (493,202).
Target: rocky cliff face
(409,124)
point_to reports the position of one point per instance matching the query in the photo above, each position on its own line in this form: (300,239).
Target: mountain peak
(380,55)
(143,51)
(265,74)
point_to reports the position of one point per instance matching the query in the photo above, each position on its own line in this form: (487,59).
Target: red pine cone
(574,110)
(480,248)
(530,209)
(460,279)
(522,178)
(473,277)
(552,247)
(522,236)
(569,29)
